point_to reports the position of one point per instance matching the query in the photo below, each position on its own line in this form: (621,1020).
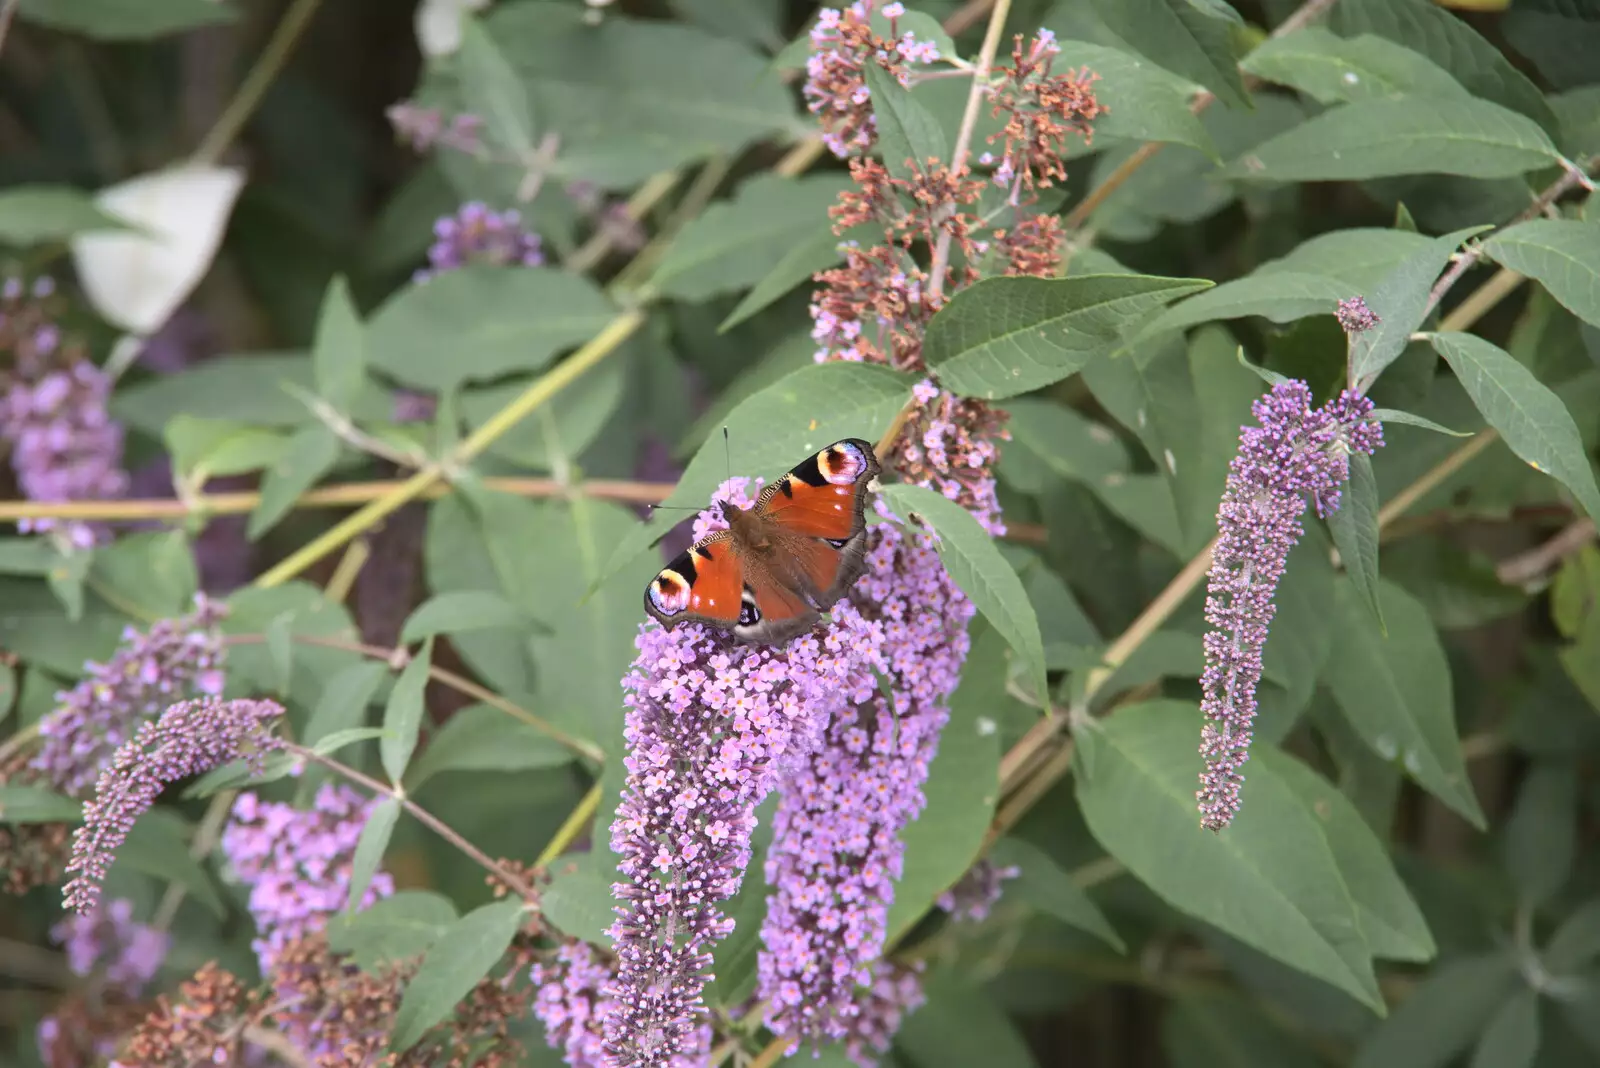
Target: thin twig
(438,826)
(1524,568)
(255,85)
(963,145)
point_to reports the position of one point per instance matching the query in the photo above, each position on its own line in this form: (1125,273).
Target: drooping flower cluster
(478,234)
(54,412)
(205,1026)
(190,738)
(1296,452)
(843,42)
(297,863)
(175,659)
(894,993)
(1354,316)
(976,892)
(836,850)
(711,728)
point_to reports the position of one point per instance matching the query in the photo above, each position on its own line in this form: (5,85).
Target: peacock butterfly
(780,564)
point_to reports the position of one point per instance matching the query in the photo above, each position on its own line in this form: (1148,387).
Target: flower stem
(255,85)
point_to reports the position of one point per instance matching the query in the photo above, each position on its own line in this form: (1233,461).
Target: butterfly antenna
(727,450)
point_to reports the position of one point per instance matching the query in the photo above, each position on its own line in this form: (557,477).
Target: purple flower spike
(476,234)
(894,993)
(297,863)
(1295,452)
(175,659)
(130,952)
(976,892)
(711,727)
(836,851)
(190,738)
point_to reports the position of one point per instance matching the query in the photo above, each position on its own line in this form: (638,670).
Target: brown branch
(1527,567)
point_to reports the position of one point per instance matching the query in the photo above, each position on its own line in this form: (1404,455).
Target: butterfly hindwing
(704,583)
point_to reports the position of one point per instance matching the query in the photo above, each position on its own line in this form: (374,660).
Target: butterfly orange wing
(703,584)
(819,511)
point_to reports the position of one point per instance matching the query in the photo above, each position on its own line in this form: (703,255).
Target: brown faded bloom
(206,1026)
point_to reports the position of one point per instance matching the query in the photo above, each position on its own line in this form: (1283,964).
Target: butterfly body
(780,563)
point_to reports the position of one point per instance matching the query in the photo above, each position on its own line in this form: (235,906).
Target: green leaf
(8,697)
(962,788)
(152,572)
(1192,39)
(1336,70)
(1359,256)
(462,955)
(633,97)
(1282,296)
(1563,254)
(404,924)
(33,627)
(578,899)
(960,1027)
(1047,888)
(491,89)
(735,241)
(204,448)
(457,556)
(339,353)
(1355,532)
(975,564)
(370,847)
(1139,803)
(1512,1038)
(111,20)
(490,320)
(1004,336)
(342,705)
(1064,442)
(1396,692)
(337,740)
(1532,420)
(793,419)
(908,134)
(461,610)
(403,716)
(1541,835)
(252,389)
(481,738)
(1442,1016)
(1400,302)
(1391,415)
(1412,135)
(35,214)
(1391,922)
(280,650)
(27,556)
(309,454)
(1576,942)
(158,845)
(36,804)
(1448,40)
(795,265)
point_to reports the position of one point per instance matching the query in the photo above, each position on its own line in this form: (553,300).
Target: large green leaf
(556,432)
(370,848)
(1040,883)
(960,1027)
(1005,336)
(481,738)
(1143,101)
(1531,419)
(1400,301)
(491,90)
(1270,879)
(1396,691)
(1448,40)
(158,844)
(1563,254)
(402,925)
(962,789)
(245,388)
(975,564)
(908,134)
(1442,1016)
(1193,38)
(735,242)
(1205,1028)
(339,353)
(1355,532)
(309,454)
(32,214)
(461,955)
(1336,70)
(402,717)
(1382,137)
(631,97)
(480,322)
(1281,296)
(1359,255)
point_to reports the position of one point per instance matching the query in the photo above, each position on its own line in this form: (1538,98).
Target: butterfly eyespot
(749,614)
(842,463)
(669,593)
